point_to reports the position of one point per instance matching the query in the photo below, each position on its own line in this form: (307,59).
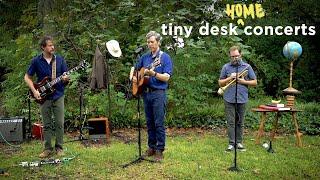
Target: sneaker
(45,153)
(159,156)
(241,147)
(230,148)
(59,152)
(149,152)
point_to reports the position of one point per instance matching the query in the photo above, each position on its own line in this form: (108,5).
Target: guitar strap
(54,68)
(158,58)
(160,54)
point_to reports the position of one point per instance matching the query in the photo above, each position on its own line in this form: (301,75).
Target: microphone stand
(140,157)
(29,134)
(275,126)
(81,125)
(236,119)
(108,86)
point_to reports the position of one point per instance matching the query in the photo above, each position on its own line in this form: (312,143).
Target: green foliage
(274,68)
(309,119)
(15,90)
(80,26)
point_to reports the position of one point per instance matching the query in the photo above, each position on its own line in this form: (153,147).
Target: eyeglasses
(236,56)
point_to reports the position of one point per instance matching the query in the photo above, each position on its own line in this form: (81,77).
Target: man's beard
(236,61)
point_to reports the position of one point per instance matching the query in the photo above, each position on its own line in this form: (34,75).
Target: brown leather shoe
(59,152)
(149,152)
(45,153)
(159,156)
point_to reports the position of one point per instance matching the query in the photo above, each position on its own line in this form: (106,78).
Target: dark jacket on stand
(98,78)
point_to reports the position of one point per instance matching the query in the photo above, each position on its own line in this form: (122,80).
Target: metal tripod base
(270,150)
(234,169)
(136,161)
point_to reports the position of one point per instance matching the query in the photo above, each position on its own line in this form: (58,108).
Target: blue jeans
(230,116)
(155,110)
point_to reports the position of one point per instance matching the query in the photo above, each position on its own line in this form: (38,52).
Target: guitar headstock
(83,64)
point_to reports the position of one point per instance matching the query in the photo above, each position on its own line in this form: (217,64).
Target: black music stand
(140,157)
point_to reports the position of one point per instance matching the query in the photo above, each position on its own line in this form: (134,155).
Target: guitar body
(142,80)
(137,88)
(46,85)
(44,88)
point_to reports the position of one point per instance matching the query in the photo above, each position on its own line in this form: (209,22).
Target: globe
(292,50)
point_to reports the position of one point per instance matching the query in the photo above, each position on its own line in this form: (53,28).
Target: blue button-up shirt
(165,67)
(242,93)
(42,69)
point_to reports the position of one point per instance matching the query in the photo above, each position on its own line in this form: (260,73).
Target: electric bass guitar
(142,79)
(46,85)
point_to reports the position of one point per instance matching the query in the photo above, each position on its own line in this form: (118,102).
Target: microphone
(139,49)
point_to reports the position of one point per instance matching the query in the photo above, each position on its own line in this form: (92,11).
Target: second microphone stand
(82,120)
(140,157)
(236,120)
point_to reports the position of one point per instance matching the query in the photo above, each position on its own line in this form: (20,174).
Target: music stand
(140,157)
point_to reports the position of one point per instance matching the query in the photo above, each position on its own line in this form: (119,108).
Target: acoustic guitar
(142,79)
(46,85)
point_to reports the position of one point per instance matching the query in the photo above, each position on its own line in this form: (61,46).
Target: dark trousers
(230,117)
(155,109)
(52,112)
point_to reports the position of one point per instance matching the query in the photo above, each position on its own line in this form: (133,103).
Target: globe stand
(290,101)
(292,50)
(290,91)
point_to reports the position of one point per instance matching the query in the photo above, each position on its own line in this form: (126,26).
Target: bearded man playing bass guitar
(47,64)
(154,93)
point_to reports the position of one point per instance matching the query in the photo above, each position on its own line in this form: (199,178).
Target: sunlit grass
(192,155)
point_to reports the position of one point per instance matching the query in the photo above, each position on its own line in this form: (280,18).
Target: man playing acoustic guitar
(47,64)
(157,67)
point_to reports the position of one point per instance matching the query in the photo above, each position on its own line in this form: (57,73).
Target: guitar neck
(154,64)
(58,79)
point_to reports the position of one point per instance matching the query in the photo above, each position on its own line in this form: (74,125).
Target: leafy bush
(80,26)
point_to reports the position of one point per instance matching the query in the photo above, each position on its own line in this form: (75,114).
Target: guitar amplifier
(99,129)
(12,129)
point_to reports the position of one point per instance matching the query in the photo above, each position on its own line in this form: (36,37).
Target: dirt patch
(9,150)
(127,135)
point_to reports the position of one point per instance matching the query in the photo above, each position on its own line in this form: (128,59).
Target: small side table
(275,123)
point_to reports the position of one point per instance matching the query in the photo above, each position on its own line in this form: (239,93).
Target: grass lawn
(194,154)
